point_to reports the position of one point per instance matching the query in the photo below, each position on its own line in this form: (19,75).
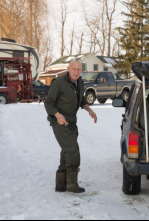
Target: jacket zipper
(76,99)
(75,96)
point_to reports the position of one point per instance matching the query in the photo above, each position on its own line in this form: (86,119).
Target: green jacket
(62,97)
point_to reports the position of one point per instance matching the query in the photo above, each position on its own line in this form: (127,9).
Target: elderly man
(65,97)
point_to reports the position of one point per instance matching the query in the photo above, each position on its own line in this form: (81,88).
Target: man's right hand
(61,119)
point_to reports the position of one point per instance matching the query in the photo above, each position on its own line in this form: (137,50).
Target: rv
(9,49)
(19,67)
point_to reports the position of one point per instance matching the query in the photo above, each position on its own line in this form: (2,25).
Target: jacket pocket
(66,100)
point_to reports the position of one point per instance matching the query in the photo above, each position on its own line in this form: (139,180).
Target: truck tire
(131,184)
(90,98)
(125,95)
(102,100)
(4,98)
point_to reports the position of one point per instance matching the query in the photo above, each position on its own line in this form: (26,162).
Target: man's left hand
(93,115)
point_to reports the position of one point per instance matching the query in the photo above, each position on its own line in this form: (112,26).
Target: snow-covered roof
(107,61)
(48,74)
(67,59)
(110,61)
(108,65)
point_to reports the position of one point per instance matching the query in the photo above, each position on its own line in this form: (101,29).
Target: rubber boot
(61,182)
(72,182)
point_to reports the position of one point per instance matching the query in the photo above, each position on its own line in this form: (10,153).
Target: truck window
(103,78)
(89,76)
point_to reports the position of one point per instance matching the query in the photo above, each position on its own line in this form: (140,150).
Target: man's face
(74,70)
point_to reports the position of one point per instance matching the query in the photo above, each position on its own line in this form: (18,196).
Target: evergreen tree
(135,35)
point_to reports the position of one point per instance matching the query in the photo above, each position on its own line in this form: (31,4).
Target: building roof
(67,59)
(108,61)
(52,73)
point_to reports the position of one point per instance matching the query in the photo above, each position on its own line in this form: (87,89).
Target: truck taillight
(133,145)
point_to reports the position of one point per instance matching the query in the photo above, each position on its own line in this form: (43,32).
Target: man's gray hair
(75,61)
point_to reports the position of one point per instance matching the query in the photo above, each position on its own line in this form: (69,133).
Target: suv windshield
(89,76)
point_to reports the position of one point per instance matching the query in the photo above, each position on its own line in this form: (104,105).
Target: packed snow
(29,157)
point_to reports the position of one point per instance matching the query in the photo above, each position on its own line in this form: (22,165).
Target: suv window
(147,92)
(132,98)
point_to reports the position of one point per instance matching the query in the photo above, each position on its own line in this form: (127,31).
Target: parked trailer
(15,80)
(10,49)
(19,65)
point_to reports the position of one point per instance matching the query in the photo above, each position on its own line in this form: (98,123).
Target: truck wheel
(131,184)
(102,100)
(125,95)
(4,98)
(90,98)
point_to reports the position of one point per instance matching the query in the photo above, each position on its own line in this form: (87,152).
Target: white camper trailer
(9,48)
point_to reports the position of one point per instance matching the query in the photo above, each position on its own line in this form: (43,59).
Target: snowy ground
(29,156)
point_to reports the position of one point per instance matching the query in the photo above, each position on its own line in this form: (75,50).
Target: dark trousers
(67,138)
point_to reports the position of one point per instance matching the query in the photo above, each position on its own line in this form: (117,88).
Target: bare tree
(110,13)
(1,18)
(91,42)
(27,24)
(36,17)
(116,44)
(64,12)
(72,40)
(46,51)
(11,17)
(100,26)
(97,26)
(31,21)
(81,43)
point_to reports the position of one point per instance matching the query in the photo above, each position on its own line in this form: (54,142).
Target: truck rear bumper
(134,167)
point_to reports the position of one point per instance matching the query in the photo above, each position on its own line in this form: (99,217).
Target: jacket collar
(68,79)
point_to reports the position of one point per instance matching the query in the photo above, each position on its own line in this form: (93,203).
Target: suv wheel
(90,98)
(131,184)
(4,98)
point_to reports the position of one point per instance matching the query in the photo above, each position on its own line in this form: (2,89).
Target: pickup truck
(102,86)
(40,90)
